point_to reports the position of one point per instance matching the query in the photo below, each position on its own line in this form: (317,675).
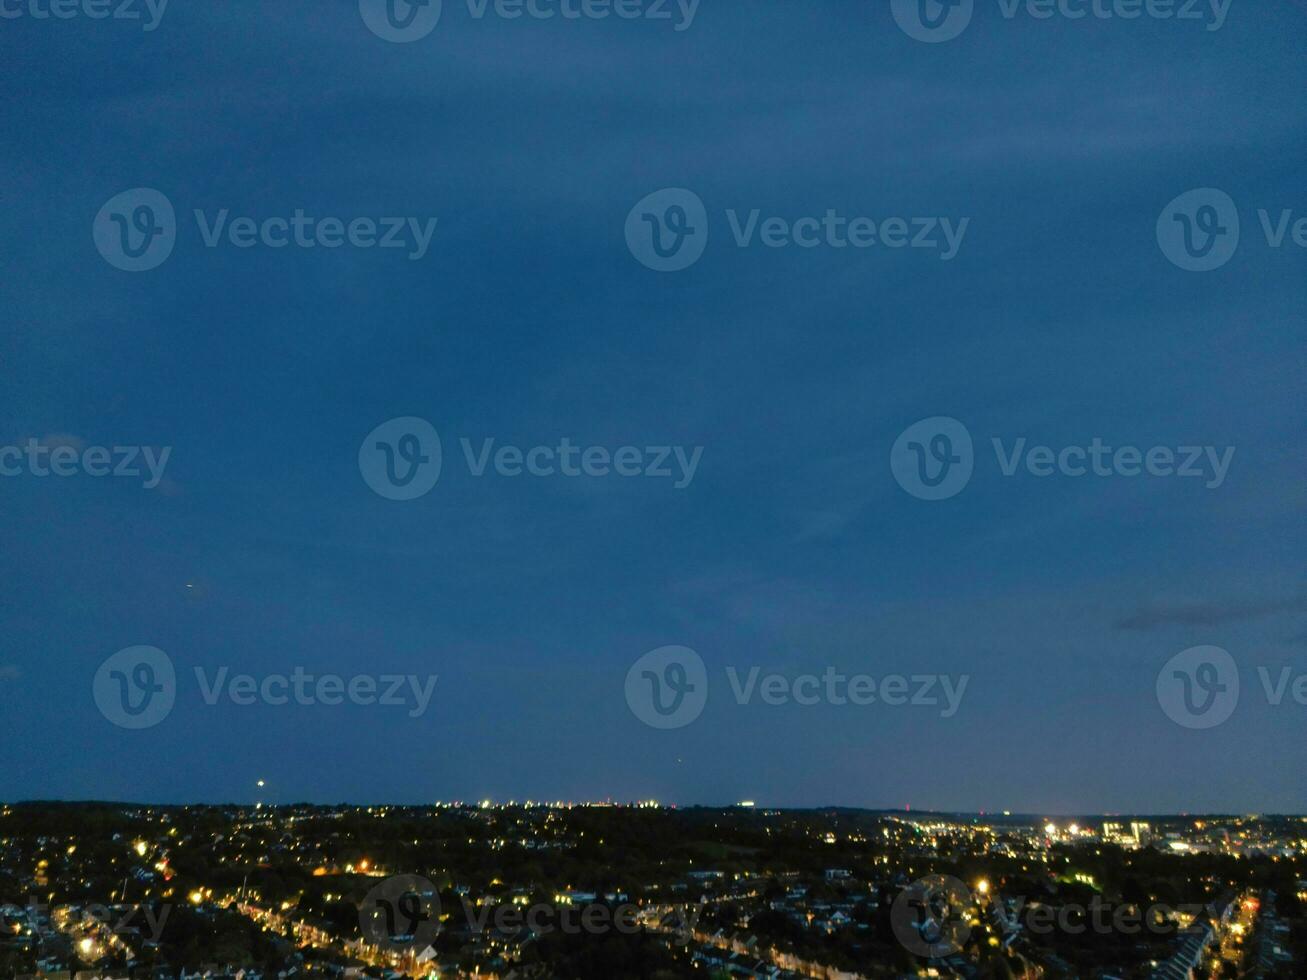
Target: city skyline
(600,892)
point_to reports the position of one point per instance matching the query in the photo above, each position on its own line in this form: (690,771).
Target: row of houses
(1194,944)
(1272,951)
(735,965)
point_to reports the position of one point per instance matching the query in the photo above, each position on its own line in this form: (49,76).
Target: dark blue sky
(1059,320)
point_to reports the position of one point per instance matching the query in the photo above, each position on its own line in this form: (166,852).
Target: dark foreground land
(598,891)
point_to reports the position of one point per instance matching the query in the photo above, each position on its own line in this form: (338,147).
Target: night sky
(528,320)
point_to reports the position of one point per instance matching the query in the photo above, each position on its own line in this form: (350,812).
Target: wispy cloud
(1209,612)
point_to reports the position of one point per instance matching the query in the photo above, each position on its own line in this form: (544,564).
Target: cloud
(1209,612)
